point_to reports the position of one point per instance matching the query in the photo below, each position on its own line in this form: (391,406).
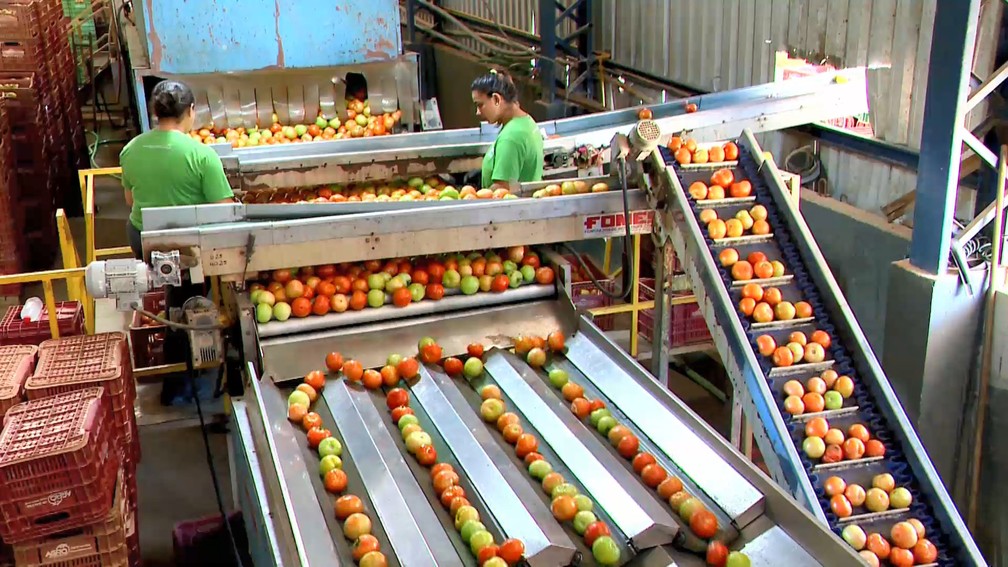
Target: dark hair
(496,82)
(171,99)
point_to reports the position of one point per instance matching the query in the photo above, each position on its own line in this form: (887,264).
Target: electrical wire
(191,374)
(178,326)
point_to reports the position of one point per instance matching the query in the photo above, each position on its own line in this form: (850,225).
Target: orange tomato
(311,420)
(704,524)
(353,370)
(731,151)
(511,551)
(372,379)
(315,378)
(335,481)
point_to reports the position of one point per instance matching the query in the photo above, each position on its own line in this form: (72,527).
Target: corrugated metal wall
(725,44)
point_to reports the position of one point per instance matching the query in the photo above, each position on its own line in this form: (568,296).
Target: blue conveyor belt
(944,527)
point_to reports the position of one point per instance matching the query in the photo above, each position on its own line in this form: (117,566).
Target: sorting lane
(722,484)
(415,532)
(624,500)
(512,501)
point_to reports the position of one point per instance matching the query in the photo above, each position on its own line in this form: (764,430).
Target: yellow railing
(86,177)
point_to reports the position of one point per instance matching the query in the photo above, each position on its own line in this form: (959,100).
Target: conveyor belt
(873,404)
(754,515)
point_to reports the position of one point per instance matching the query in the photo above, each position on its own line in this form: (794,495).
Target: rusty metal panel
(219,36)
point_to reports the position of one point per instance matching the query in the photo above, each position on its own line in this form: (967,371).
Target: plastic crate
(99,544)
(205,541)
(71,363)
(147,341)
(585,295)
(20,20)
(14,331)
(686,323)
(16,365)
(58,465)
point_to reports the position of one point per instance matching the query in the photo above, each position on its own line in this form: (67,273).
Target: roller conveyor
(873,404)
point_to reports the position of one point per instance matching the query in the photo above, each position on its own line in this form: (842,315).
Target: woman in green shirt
(517,154)
(166,167)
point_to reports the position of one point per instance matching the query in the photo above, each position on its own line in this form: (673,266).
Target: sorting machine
(290,516)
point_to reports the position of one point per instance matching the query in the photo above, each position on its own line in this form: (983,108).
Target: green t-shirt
(167,168)
(517,154)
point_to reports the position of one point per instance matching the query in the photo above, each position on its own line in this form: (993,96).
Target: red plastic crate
(147,341)
(99,544)
(71,363)
(686,323)
(58,465)
(13,331)
(585,295)
(16,365)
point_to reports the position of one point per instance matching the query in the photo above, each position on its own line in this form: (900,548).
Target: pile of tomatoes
(357,122)
(686,151)
(320,290)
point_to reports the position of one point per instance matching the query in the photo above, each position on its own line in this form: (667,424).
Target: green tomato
(605,551)
(376,298)
(598,414)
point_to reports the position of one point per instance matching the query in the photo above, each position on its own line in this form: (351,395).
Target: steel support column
(952,46)
(554,17)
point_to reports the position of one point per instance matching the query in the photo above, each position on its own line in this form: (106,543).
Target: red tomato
(531,259)
(475,349)
(335,481)
(402,297)
(397,397)
(544,275)
(316,379)
(430,353)
(511,551)
(453,366)
(426,455)
(717,554)
(316,435)
(486,554)
(595,530)
(400,411)
(420,277)
(436,271)
(704,524)
(500,283)
(435,291)
(333,361)
(408,368)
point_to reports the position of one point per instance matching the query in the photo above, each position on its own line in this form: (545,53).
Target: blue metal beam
(955,26)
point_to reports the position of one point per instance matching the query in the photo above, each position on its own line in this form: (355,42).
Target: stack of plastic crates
(113,541)
(11,243)
(14,331)
(71,363)
(39,87)
(58,465)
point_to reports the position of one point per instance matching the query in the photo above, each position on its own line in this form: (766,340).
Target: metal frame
(554,17)
(944,133)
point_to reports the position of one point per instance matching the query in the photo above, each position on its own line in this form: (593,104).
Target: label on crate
(56,500)
(69,549)
(614,224)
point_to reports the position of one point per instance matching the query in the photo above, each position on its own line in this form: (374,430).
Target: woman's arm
(128,195)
